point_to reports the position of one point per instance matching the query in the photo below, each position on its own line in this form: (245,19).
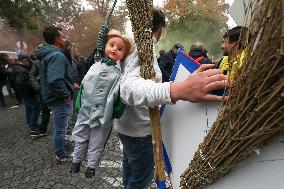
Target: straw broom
(254,113)
(141,19)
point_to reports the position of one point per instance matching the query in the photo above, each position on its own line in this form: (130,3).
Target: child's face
(115,49)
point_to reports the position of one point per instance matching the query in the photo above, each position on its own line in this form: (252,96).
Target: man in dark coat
(167,62)
(3,77)
(28,93)
(199,53)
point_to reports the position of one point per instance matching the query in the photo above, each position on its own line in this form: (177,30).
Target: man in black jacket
(167,62)
(28,93)
(3,77)
(199,53)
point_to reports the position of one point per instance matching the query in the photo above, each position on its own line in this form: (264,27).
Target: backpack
(199,59)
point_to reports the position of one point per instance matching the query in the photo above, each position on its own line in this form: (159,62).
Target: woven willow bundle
(140,13)
(255,110)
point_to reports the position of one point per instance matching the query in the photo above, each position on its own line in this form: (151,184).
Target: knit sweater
(138,94)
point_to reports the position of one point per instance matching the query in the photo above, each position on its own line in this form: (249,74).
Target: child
(100,92)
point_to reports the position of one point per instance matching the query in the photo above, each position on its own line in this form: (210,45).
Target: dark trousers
(32,107)
(45,116)
(17,93)
(2,98)
(138,161)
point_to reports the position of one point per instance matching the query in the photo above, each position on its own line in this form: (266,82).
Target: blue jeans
(138,161)
(32,107)
(60,114)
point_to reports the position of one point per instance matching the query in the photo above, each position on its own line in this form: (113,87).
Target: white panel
(184,126)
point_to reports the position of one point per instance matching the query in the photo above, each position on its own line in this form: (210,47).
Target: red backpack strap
(199,59)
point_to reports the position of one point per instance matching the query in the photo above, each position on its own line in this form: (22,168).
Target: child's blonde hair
(126,39)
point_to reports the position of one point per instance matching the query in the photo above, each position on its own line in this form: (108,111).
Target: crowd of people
(110,93)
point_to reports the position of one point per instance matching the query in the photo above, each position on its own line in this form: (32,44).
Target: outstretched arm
(199,86)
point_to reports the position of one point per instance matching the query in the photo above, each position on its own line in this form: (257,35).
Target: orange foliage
(204,8)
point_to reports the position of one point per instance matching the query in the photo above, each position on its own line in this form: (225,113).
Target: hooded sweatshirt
(56,75)
(138,94)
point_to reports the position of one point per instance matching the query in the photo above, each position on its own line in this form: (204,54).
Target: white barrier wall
(184,126)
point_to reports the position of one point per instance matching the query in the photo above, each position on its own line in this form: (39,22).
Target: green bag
(118,107)
(78,99)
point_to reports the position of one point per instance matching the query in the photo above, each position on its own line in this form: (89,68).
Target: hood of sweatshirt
(45,49)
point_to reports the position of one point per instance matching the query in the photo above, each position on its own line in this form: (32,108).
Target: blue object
(161,184)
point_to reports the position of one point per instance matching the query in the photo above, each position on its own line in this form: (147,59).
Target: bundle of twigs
(140,13)
(255,110)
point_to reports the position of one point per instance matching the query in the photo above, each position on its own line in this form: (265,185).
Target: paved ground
(28,163)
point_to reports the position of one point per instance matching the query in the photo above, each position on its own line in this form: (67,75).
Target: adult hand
(198,87)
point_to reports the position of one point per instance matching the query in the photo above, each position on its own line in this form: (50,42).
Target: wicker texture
(255,110)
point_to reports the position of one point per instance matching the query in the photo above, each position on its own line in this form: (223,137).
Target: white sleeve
(136,91)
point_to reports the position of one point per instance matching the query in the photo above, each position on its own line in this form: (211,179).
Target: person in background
(57,86)
(12,80)
(199,53)
(35,81)
(69,51)
(167,61)
(234,51)
(3,77)
(161,53)
(82,68)
(28,93)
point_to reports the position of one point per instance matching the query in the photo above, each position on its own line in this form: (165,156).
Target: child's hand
(76,87)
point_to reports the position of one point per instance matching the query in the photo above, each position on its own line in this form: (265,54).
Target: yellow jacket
(233,65)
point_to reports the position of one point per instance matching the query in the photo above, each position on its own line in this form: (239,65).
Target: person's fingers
(214,98)
(204,67)
(217,85)
(217,77)
(212,72)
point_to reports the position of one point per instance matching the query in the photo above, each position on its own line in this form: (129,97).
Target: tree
(29,13)
(26,19)
(85,28)
(191,21)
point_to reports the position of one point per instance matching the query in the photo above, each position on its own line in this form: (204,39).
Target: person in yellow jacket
(233,45)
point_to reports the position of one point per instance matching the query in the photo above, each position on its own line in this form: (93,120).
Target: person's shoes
(75,168)
(42,134)
(34,133)
(90,172)
(62,159)
(69,138)
(37,134)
